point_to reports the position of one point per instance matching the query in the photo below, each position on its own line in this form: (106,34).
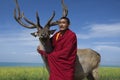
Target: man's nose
(60,24)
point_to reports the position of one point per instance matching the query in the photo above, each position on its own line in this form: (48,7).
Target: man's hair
(67,19)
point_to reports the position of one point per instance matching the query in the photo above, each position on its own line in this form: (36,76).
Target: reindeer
(87,61)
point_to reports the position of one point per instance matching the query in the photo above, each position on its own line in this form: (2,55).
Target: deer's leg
(93,75)
(46,62)
(90,77)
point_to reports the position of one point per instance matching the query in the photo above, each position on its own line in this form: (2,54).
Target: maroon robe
(62,59)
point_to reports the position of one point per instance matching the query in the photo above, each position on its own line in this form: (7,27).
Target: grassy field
(23,73)
(40,73)
(109,73)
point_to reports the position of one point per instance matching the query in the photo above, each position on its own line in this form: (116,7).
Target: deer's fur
(87,63)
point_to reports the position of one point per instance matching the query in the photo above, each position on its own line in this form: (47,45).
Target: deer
(87,61)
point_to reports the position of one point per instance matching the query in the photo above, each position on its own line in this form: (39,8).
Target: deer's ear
(52,31)
(34,34)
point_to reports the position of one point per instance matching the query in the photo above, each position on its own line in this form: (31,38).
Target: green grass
(109,73)
(40,73)
(23,73)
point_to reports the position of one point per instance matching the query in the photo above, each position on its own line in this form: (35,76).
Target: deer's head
(42,32)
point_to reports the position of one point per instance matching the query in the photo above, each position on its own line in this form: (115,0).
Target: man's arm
(41,50)
(68,46)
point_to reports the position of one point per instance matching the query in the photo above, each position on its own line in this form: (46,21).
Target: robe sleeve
(42,52)
(68,47)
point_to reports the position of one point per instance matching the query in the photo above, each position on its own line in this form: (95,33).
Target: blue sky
(95,22)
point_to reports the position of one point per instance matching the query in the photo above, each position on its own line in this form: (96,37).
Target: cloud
(19,38)
(106,43)
(101,30)
(32,53)
(108,48)
(21,57)
(109,54)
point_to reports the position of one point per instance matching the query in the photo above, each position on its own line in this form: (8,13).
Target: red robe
(62,59)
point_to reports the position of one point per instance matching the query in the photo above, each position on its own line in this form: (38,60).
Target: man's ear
(52,31)
(34,34)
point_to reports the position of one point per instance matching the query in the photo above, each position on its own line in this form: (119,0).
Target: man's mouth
(61,27)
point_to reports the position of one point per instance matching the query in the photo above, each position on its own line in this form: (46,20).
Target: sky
(95,22)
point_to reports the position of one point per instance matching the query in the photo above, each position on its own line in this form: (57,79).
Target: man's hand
(41,50)
(40,47)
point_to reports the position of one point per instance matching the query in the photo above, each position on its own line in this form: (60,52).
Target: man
(61,60)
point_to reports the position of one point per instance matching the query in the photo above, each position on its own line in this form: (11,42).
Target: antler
(20,18)
(64,13)
(48,25)
(65,9)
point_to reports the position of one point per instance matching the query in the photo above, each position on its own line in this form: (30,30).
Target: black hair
(68,20)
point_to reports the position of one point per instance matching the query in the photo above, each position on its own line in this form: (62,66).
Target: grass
(109,73)
(23,73)
(40,73)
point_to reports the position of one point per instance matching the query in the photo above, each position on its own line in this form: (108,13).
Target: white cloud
(34,53)
(108,48)
(101,30)
(106,43)
(17,38)
(109,54)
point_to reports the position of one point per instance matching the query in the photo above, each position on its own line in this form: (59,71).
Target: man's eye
(62,22)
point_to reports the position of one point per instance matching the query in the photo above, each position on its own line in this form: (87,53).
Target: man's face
(63,25)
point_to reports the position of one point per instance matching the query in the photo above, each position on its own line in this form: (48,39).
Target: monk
(61,60)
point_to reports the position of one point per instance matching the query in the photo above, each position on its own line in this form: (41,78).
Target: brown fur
(87,63)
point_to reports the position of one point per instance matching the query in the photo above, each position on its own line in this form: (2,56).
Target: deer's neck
(46,45)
